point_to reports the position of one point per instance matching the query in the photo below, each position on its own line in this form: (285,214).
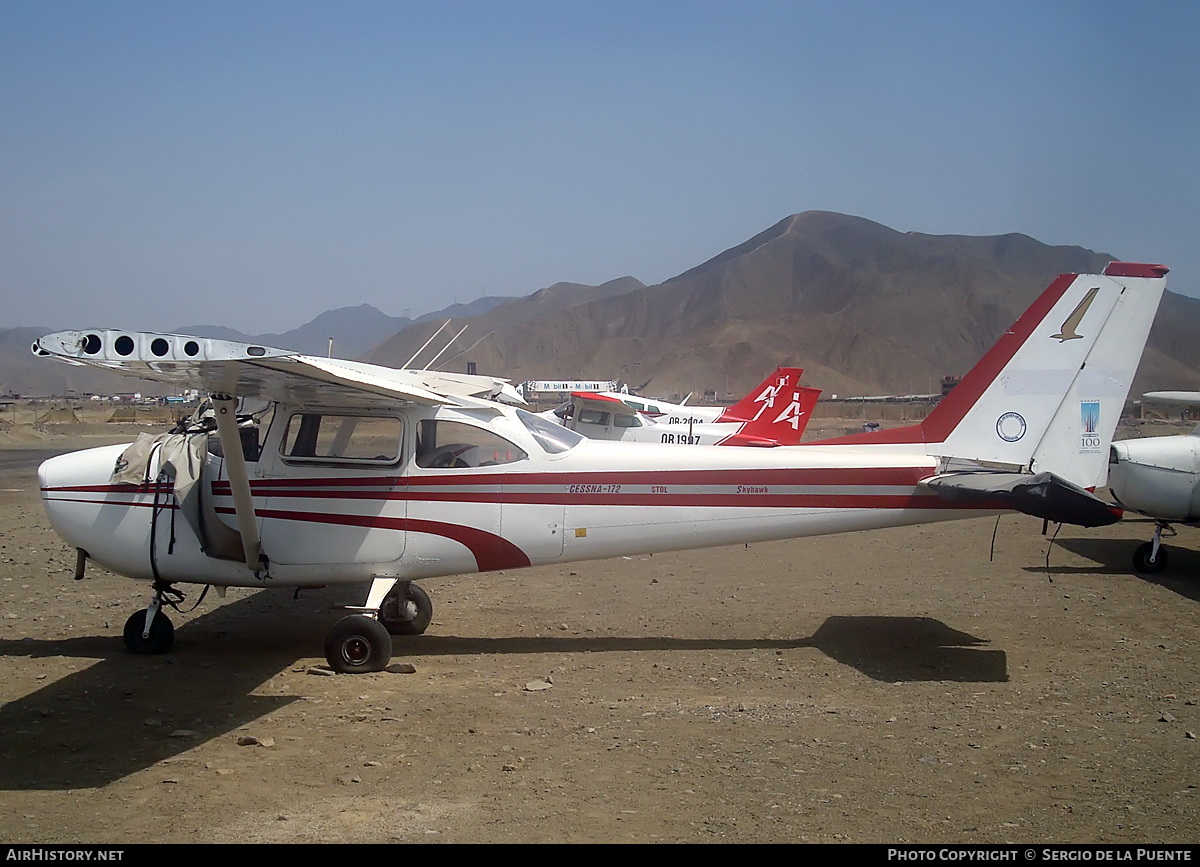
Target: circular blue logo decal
(1010,427)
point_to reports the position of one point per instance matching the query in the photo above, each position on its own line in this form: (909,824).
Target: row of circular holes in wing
(159,346)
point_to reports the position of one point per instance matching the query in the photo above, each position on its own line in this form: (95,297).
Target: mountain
(513,314)
(865,309)
(354,329)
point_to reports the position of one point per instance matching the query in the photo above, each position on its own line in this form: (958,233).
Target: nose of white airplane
(87,467)
(73,486)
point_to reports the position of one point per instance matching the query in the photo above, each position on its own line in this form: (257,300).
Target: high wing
(602,405)
(1183,398)
(249,370)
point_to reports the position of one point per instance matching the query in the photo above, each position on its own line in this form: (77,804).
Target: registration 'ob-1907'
(680,439)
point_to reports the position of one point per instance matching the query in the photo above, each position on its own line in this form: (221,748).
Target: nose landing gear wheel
(160,639)
(358,644)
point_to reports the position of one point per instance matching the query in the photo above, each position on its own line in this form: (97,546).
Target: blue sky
(253,164)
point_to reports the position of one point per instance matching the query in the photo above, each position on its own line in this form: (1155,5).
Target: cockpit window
(320,437)
(448,445)
(640,407)
(554,438)
(593,416)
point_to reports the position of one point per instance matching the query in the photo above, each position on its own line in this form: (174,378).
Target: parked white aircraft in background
(355,474)
(1159,477)
(773,414)
(684,413)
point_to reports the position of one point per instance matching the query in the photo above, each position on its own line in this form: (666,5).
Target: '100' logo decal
(1089,426)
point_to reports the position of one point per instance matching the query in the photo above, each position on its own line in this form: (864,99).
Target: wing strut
(225,407)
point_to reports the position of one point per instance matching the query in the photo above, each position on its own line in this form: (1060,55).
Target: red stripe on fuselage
(657,488)
(827,476)
(121,488)
(831,500)
(491,552)
(149,504)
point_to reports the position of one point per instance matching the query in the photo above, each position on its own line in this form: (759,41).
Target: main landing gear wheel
(358,644)
(407,614)
(160,639)
(1142,561)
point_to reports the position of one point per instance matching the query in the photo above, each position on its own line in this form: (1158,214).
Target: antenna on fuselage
(447,346)
(426,343)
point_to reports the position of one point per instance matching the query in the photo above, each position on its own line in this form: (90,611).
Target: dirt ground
(870,688)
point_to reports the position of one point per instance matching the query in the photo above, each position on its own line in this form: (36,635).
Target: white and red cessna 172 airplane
(356,474)
(775,413)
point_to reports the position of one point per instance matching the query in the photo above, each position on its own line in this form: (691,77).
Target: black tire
(389,613)
(358,644)
(1142,562)
(160,640)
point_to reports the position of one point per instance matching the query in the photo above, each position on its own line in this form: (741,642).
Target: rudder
(1051,390)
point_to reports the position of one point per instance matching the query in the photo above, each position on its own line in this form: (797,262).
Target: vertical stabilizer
(1075,445)
(1050,392)
(764,397)
(783,423)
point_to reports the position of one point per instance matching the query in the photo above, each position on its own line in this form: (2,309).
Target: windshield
(554,438)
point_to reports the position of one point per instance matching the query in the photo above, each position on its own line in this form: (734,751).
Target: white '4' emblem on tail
(791,413)
(767,398)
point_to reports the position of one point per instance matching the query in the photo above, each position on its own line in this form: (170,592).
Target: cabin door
(333,492)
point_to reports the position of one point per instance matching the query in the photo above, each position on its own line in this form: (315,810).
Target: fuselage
(344,497)
(670,413)
(1157,476)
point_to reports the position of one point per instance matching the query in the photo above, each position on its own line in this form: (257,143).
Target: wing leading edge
(249,370)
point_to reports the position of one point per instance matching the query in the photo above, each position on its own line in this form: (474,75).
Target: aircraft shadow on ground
(1115,557)
(127,713)
(907,649)
(892,649)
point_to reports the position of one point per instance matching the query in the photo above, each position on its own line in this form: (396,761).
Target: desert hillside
(865,309)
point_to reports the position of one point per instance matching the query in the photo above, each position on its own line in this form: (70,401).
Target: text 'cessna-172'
(356,474)
(773,414)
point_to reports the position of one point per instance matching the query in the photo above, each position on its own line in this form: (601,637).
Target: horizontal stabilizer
(1043,495)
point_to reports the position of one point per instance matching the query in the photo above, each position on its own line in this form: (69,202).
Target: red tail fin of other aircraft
(763,396)
(774,413)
